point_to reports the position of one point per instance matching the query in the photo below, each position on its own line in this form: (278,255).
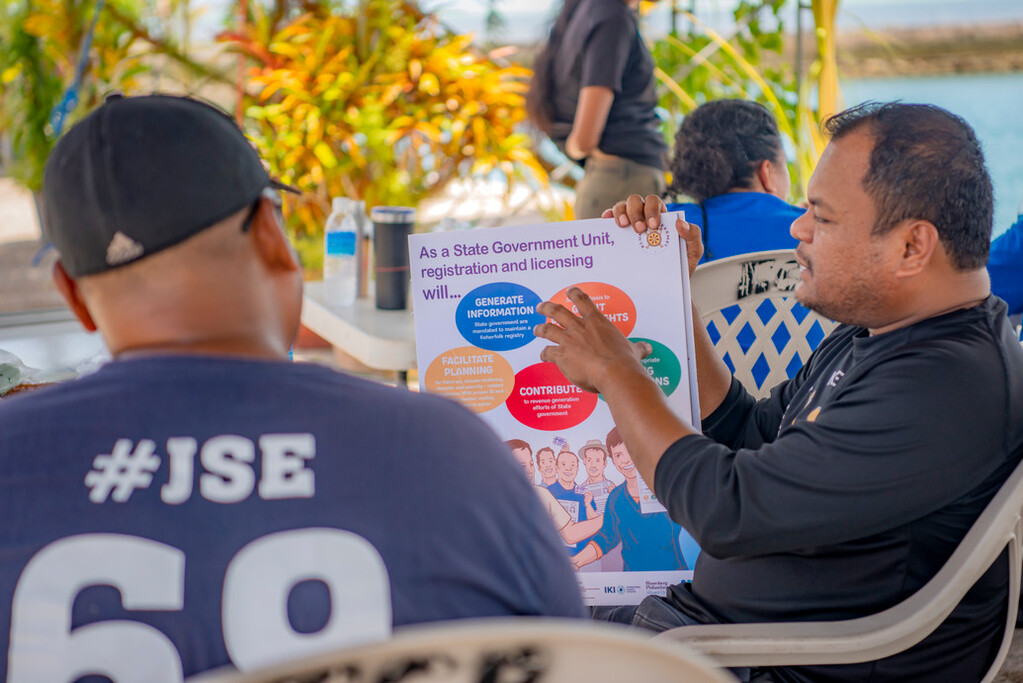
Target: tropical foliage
(40,44)
(377,103)
(700,64)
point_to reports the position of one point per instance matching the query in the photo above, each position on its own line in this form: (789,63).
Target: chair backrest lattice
(763,334)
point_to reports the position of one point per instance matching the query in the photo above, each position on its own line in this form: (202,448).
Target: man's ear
(271,242)
(68,288)
(918,241)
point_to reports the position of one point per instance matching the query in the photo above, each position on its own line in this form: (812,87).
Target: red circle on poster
(543,399)
(611,301)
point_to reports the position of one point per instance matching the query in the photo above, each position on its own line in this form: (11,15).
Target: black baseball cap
(140,174)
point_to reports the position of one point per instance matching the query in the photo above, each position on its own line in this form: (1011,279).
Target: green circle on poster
(662,365)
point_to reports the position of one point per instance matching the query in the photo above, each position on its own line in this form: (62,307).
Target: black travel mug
(391,227)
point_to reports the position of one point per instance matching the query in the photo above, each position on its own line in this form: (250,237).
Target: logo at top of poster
(654,239)
(499,316)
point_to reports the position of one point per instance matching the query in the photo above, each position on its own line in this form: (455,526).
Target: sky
(529,20)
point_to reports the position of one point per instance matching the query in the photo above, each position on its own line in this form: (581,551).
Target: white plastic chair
(893,630)
(758,328)
(499,649)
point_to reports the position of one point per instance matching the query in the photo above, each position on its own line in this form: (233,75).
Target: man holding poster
(847,489)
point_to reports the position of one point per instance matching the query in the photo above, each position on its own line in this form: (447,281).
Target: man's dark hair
(926,164)
(718,146)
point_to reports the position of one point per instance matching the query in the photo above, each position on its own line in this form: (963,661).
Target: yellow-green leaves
(380,104)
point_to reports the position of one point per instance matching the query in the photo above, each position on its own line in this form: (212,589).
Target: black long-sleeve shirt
(847,489)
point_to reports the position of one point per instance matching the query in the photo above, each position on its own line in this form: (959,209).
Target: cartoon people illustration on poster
(546,463)
(643,541)
(563,488)
(596,483)
(649,542)
(572,531)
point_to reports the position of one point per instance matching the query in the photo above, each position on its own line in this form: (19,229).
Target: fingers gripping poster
(475,295)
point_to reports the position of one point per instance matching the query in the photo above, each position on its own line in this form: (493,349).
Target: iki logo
(612,590)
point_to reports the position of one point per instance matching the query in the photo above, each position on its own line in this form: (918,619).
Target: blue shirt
(649,542)
(742,222)
(567,497)
(216,491)
(1005,265)
(560,493)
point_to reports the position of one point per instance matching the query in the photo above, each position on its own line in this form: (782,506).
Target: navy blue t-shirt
(240,511)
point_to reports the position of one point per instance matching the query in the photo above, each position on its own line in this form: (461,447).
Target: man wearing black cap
(201,501)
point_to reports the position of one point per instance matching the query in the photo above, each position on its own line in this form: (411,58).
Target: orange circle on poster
(544,399)
(612,302)
(480,380)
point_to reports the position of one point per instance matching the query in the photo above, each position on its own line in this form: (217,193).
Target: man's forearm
(645,421)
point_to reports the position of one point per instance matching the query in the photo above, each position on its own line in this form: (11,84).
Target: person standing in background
(593,93)
(729,160)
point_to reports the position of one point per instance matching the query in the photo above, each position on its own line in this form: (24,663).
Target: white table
(50,340)
(384,340)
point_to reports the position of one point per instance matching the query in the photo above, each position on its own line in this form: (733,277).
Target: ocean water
(991,103)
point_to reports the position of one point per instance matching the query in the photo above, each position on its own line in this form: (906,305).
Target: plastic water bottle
(339,263)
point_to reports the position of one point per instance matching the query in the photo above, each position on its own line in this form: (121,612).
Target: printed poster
(475,294)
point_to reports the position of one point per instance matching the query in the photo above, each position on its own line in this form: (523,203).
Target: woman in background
(729,160)
(593,93)
(1005,266)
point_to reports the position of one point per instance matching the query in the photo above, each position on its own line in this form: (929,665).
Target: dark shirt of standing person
(594,93)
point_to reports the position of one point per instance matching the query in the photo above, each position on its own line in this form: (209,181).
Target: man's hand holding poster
(475,295)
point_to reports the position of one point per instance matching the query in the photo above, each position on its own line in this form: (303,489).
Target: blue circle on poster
(498,316)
